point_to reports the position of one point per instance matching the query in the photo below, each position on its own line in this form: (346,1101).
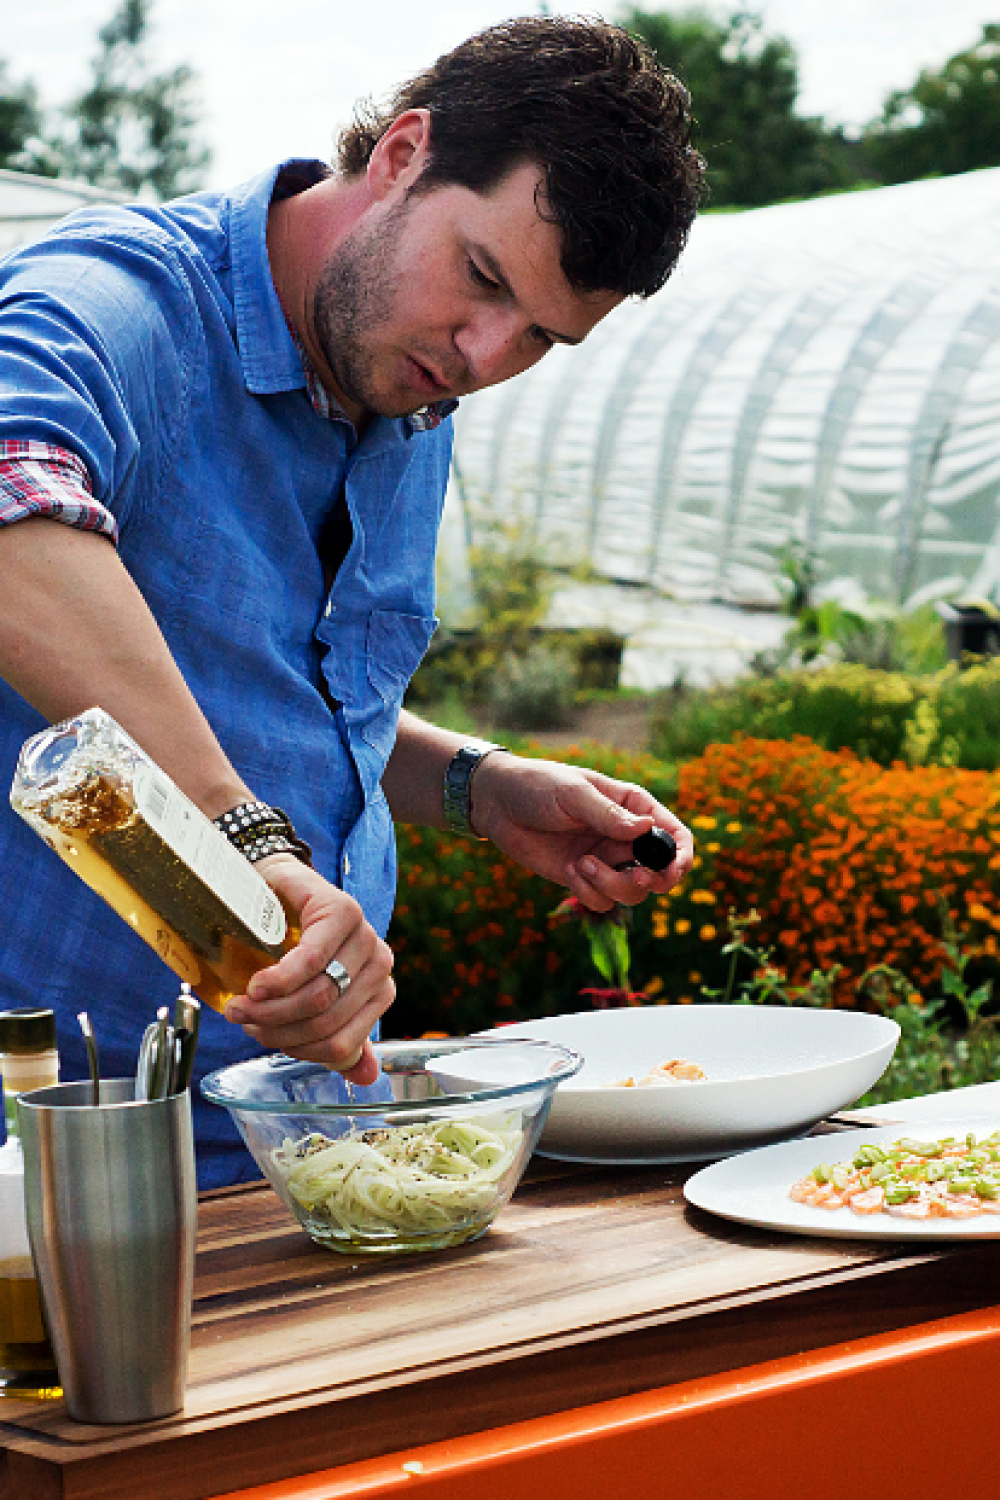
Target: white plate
(753,1188)
(772,1072)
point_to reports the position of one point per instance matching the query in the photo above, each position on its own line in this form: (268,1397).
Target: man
(239,404)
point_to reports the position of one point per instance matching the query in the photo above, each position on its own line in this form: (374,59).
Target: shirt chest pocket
(368,667)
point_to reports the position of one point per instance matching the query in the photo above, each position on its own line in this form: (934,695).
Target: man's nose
(494,345)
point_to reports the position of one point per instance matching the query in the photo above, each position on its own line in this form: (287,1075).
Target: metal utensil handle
(92,1058)
(145,1064)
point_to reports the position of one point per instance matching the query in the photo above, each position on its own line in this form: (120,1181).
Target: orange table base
(904,1416)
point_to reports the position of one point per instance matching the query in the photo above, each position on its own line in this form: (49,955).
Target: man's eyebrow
(491,266)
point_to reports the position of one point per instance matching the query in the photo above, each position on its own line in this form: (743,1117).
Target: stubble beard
(355,296)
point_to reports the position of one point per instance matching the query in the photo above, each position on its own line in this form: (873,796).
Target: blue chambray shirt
(150,342)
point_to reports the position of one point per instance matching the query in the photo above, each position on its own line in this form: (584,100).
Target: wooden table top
(595,1282)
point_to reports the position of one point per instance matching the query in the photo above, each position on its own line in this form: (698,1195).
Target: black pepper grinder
(654,850)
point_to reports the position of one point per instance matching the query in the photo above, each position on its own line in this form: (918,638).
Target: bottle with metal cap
(28,1060)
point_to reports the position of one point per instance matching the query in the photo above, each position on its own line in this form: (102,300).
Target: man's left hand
(574,826)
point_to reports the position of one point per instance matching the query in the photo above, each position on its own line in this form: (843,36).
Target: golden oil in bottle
(116,819)
(28,1060)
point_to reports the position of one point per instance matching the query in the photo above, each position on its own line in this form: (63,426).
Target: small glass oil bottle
(116,819)
(28,1060)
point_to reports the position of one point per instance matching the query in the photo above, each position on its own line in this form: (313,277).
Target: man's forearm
(414,778)
(75,632)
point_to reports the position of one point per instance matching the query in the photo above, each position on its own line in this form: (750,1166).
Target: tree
(948,121)
(744,86)
(133,129)
(20,125)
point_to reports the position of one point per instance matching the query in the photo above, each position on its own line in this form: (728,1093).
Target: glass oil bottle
(28,1060)
(116,819)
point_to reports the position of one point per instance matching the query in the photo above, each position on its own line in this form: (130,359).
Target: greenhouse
(824,371)
(29,205)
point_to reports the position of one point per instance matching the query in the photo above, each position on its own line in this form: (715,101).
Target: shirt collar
(273,358)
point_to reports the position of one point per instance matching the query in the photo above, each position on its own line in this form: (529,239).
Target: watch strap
(458,785)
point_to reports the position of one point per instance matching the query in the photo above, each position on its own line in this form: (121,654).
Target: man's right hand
(294,1006)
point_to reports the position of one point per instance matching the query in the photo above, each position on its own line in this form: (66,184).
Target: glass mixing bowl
(421,1159)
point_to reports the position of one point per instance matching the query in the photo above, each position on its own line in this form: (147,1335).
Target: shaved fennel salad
(439,1181)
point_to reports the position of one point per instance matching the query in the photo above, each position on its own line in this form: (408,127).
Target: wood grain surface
(593,1283)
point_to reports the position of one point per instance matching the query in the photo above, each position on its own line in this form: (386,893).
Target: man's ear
(401,153)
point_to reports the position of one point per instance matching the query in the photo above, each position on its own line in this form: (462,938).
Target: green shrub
(967,705)
(533,691)
(839,707)
(951,717)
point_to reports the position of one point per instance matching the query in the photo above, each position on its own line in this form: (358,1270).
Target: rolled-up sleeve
(40,479)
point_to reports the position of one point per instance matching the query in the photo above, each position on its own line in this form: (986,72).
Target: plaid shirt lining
(40,479)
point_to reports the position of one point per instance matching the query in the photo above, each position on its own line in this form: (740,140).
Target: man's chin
(394,410)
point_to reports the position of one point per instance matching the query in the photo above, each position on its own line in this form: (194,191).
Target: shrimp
(960,1206)
(946,1179)
(870,1201)
(913,1208)
(817,1194)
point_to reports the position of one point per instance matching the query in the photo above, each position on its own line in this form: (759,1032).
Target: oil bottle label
(209,854)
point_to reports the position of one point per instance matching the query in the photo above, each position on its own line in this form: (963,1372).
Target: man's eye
(481,279)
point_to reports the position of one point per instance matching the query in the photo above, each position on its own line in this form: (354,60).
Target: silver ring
(339,975)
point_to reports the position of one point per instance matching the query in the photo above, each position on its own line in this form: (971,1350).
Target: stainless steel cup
(112,1213)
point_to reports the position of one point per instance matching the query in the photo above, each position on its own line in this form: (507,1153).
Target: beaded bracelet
(256,829)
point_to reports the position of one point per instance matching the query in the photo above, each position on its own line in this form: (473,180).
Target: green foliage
(744,86)
(946,1043)
(133,128)
(950,717)
(891,640)
(752,977)
(607,939)
(508,661)
(533,690)
(837,707)
(512,589)
(967,709)
(947,121)
(20,125)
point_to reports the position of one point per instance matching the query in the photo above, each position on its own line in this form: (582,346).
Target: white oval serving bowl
(772,1072)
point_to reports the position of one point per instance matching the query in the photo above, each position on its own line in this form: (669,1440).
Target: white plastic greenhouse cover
(30,205)
(827,371)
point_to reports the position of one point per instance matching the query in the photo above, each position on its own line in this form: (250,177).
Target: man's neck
(301,231)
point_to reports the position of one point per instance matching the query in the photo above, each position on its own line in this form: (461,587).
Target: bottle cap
(23,1032)
(655,849)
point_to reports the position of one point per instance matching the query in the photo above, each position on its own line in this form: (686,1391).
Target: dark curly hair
(609,126)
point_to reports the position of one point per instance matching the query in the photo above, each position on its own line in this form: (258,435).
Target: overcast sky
(278,76)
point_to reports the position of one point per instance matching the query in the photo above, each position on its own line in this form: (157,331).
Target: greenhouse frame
(823,372)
